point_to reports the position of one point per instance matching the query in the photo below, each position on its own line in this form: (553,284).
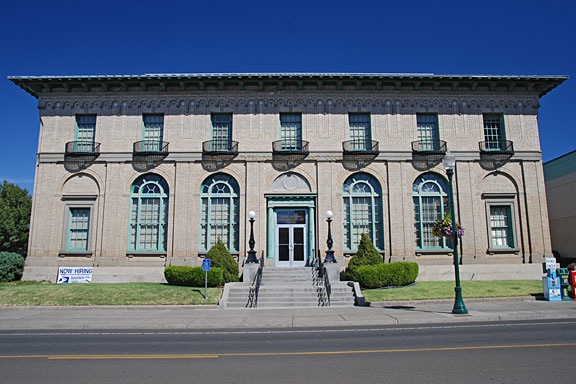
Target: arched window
(430,204)
(148,214)
(362,203)
(219,217)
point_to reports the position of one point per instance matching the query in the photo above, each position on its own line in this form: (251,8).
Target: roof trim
(36,85)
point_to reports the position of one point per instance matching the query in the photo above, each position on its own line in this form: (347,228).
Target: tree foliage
(15,208)
(221,258)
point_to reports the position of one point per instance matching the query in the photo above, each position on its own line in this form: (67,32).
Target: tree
(221,258)
(15,208)
(367,255)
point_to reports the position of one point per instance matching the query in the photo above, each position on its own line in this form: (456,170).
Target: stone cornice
(39,86)
(326,103)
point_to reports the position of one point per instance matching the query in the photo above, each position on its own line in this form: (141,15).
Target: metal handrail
(290,146)
(360,146)
(429,146)
(322,282)
(501,146)
(83,147)
(220,146)
(255,287)
(150,146)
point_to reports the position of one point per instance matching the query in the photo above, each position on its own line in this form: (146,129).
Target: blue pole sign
(206,268)
(206,265)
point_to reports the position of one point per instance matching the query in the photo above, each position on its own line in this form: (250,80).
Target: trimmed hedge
(395,274)
(367,254)
(11,267)
(221,258)
(187,276)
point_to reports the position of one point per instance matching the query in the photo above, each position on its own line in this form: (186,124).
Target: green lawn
(26,293)
(428,290)
(46,294)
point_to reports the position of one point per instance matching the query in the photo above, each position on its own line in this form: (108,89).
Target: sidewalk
(212,317)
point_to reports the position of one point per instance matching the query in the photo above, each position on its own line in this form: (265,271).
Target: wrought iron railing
(499,146)
(429,146)
(219,147)
(255,287)
(150,147)
(290,146)
(360,146)
(82,147)
(322,282)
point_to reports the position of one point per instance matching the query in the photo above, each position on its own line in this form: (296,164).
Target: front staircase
(288,287)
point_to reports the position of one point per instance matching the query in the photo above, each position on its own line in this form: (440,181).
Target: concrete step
(289,287)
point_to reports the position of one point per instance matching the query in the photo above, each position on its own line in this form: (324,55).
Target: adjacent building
(138,172)
(560,176)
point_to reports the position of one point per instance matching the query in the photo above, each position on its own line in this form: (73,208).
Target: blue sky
(123,38)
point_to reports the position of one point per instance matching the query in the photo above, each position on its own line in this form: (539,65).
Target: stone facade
(270,180)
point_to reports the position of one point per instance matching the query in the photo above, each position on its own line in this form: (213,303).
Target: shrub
(192,276)
(367,254)
(395,274)
(221,258)
(11,266)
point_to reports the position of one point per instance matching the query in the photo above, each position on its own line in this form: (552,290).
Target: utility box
(573,283)
(564,277)
(551,286)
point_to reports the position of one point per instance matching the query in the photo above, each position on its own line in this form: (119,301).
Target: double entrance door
(291,229)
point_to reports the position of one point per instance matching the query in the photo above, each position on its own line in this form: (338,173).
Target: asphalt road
(503,352)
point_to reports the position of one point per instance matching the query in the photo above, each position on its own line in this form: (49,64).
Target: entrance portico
(291,226)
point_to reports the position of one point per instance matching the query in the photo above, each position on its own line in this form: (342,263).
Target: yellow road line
(264,354)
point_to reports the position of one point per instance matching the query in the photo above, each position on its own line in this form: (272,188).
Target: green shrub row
(11,266)
(395,274)
(187,276)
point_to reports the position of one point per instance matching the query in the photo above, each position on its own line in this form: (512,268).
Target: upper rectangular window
(290,131)
(494,135)
(221,131)
(85,132)
(153,132)
(359,131)
(428,133)
(78,229)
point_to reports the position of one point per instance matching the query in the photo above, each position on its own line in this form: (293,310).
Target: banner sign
(74,275)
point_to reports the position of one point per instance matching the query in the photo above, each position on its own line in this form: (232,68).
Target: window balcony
(220,147)
(152,147)
(429,147)
(501,147)
(82,148)
(290,147)
(359,147)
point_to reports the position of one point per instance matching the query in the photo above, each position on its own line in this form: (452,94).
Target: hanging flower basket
(443,228)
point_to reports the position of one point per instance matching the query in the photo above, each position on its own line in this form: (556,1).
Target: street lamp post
(449,162)
(251,253)
(329,253)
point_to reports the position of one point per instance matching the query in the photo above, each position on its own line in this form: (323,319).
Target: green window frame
(148,214)
(85,133)
(152,132)
(219,205)
(362,211)
(78,229)
(291,131)
(428,132)
(494,132)
(429,194)
(221,132)
(501,227)
(359,131)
